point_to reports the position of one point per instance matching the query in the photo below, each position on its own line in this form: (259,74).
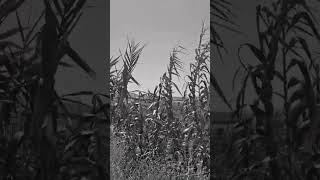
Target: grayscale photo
(159,89)
(53,90)
(265,67)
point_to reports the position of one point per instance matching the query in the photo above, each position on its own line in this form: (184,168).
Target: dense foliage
(38,136)
(148,125)
(275,144)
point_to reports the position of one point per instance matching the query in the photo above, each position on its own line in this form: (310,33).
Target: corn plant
(196,95)
(36,151)
(221,17)
(153,130)
(130,59)
(279,34)
(174,67)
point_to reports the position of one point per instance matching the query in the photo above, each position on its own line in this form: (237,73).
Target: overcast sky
(89,39)
(161,25)
(245,11)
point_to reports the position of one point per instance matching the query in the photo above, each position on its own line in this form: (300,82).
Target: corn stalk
(275,26)
(175,65)
(130,59)
(54,45)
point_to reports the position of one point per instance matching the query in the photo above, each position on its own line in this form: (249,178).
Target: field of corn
(271,143)
(150,136)
(39,137)
(155,141)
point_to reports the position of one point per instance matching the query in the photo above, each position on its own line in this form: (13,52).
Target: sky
(224,71)
(89,39)
(161,25)
(245,19)
(244,11)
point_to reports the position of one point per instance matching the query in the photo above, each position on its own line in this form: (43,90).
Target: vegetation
(33,145)
(154,142)
(42,139)
(270,145)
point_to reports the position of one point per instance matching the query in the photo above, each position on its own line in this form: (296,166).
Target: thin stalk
(286,108)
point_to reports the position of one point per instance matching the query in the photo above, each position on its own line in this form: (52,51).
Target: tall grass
(259,148)
(37,147)
(157,142)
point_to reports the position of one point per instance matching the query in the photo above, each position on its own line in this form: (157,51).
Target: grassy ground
(143,169)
